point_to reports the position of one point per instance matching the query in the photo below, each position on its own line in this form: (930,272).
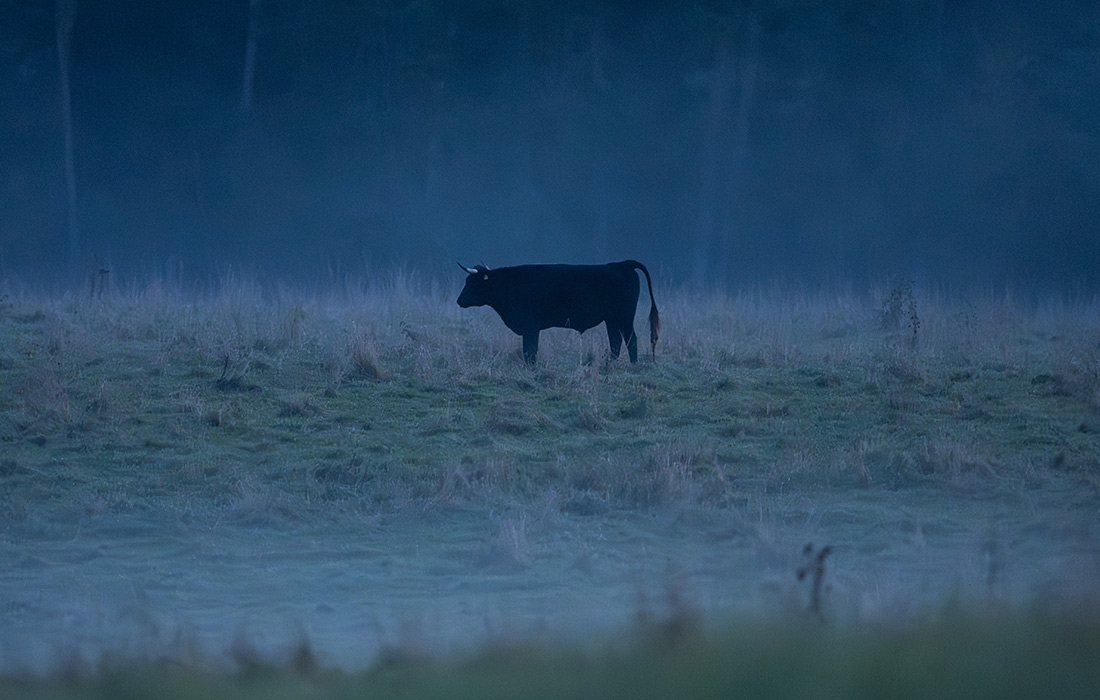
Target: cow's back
(564,296)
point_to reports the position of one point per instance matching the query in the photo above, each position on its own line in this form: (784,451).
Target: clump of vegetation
(235,365)
(900,309)
(365,359)
(814,570)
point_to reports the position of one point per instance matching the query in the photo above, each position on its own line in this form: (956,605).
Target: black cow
(531,298)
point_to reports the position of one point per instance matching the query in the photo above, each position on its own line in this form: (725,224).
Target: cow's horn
(469,270)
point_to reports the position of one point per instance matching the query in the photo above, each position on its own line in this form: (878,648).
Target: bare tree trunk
(938,69)
(66,13)
(250,55)
(732,88)
(707,221)
(739,155)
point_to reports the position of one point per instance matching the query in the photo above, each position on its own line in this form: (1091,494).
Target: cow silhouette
(532,298)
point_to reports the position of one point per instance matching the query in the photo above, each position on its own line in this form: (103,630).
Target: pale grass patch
(867,459)
(43,398)
(955,459)
(253,502)
(509,548)
(670,475)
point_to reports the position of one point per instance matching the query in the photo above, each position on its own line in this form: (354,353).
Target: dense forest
(717,140)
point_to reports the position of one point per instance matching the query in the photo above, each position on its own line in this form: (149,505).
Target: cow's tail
(654,317)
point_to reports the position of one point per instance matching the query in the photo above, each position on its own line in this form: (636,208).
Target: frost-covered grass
(924,438)
(275,405)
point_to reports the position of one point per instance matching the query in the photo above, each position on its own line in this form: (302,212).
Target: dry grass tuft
(952,459)
(509,548)
(255,503)
(364,358)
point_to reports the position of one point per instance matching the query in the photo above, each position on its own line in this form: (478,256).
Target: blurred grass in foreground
(1016,656)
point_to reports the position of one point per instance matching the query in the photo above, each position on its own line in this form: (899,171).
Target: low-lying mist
(369,468)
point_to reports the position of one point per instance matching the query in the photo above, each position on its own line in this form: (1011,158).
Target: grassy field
(380,468)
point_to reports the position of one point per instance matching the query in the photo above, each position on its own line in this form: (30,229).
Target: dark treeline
(716,141)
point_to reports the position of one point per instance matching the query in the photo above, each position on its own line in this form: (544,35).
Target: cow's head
(477,289)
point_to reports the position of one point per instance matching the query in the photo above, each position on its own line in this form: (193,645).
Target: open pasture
(223,479)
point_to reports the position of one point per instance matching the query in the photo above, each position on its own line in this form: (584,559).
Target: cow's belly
(581,323)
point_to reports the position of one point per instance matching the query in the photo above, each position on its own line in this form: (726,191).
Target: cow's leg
(615,339)
(530,346)
(624,329)
(631,342)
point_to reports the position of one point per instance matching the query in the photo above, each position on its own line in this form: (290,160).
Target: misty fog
(239,402)
(718,142)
